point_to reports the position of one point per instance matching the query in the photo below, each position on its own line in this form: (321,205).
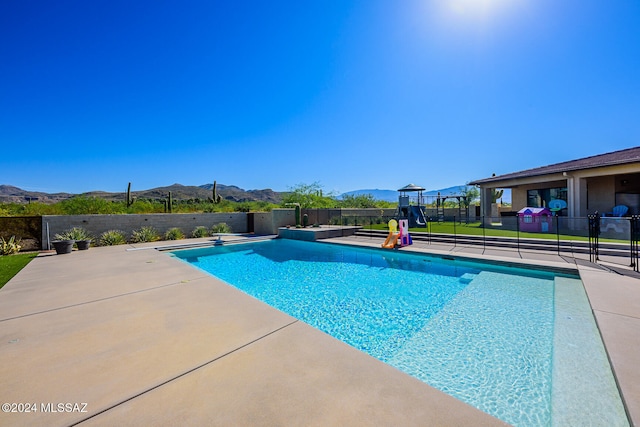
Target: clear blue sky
(350,94)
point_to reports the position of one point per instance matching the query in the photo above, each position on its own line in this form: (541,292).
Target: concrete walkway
(139,338)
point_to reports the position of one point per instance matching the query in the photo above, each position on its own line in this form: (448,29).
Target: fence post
(518,233)
(484,237)
(558,231)
(594,233)
(455,240)
(633,237)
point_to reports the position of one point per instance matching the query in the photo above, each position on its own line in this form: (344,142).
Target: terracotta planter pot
(63,246)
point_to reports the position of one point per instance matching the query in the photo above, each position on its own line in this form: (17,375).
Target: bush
(76,233)
(200,231)
(145,234)
(83,205)
(220,228)
(9,247)
(174,234)
(112,237)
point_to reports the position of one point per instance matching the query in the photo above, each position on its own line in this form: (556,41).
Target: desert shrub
(336,220)
(200,231)
(34,209)
(10,247)
(145,234)
(220,228)
(76,233)
(146,206)
(112,237)
(84,205)
(174,234)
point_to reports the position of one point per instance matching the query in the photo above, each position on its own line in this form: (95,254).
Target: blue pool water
(501,339)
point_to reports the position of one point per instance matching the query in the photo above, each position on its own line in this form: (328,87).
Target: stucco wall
(263,223)
(97,224)
(269,222)
(601,194)
(519,197)
(333,216)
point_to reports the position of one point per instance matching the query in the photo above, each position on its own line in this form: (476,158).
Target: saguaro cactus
(297,215)
(170,203)
(216,196)
(129,201)
(496,194)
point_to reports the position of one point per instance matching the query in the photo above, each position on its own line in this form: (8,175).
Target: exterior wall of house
(628,192)
(518,198)
(601,194)
(628,183)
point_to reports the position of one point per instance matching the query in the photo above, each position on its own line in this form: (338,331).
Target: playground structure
(398,234)
(414,209)
(463,206)
(414,213)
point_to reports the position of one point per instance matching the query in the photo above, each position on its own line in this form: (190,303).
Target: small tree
(308,196)
(471,195)
(360,201)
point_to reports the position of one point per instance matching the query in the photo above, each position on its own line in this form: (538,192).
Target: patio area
(136,337)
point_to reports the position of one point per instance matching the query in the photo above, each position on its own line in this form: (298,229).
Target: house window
(534,199)
(540,198)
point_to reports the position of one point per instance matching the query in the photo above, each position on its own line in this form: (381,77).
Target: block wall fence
(98,224)
(262,223)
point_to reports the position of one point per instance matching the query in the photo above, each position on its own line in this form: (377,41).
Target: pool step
(467,278)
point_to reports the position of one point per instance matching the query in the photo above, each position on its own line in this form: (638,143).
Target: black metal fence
(599,239)
(634,237)
(594,237)
(603,239)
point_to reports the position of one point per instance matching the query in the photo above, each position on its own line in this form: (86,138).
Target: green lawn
(10,265)
(475,229)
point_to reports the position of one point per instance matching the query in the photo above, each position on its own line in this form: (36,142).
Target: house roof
(629,155)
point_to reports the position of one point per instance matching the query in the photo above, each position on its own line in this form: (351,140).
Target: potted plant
(62,245)
(77,235)
(83,245)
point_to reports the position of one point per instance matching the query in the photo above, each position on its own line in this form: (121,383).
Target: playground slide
(420,219)
(391,241)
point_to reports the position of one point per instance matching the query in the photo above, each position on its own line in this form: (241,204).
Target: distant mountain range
(392,195)
(11,194)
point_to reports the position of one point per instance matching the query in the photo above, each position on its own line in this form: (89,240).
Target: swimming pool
(519,344)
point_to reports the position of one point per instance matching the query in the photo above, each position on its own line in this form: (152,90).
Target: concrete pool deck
(142,338)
